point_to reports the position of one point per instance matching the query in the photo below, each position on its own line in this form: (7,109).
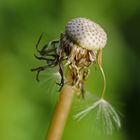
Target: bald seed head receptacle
(86,33)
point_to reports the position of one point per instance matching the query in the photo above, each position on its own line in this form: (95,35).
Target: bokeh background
(26,107)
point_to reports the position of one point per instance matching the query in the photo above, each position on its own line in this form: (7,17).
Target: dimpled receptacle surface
(86,33)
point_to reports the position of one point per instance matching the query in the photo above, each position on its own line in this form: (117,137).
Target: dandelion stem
(62,111)
(102,71)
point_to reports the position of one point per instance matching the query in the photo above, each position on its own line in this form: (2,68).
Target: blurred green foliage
(25,107)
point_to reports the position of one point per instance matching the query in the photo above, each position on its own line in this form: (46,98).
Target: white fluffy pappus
(105,114)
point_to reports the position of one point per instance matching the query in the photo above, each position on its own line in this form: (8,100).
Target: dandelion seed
(106,116)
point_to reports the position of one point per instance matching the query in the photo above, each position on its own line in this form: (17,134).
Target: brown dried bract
(65,52)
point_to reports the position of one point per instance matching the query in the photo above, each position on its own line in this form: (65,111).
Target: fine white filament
(106,114)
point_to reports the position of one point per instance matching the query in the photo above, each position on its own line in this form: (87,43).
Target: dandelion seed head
(105,114)
(86,33)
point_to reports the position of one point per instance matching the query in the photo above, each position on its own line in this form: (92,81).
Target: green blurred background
(26,107)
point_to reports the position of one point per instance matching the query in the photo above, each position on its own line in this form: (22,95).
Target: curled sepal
(106,116)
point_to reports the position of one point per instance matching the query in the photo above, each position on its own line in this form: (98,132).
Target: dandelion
(79,47)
